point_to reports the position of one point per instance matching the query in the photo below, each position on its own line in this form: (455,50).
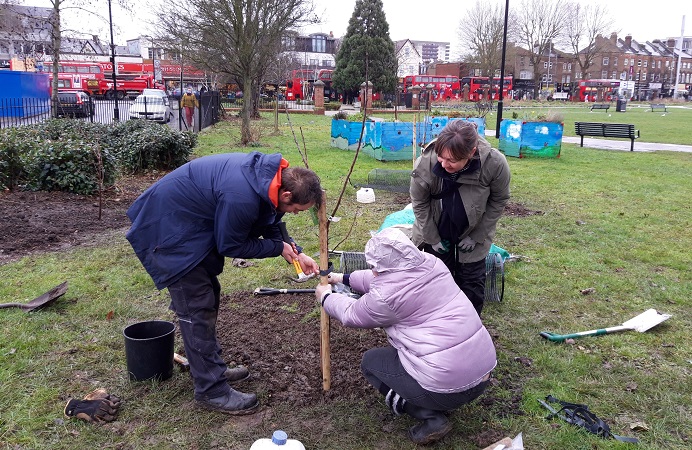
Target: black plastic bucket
(149,350)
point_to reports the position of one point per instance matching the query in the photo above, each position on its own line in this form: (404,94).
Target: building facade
(409,60)
(652,66)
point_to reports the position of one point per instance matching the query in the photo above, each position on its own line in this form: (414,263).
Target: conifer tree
(366,45)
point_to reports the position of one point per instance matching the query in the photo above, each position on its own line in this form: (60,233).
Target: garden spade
(41,301)
(644,321)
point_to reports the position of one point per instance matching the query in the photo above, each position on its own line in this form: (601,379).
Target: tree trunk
(246,112)
(56,41)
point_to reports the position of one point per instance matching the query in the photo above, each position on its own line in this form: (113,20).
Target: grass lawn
(610,238)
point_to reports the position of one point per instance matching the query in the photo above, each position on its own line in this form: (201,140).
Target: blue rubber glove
(466,245)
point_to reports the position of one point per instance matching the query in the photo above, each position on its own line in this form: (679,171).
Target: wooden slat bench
(614,130)
(600,106)
(655,106)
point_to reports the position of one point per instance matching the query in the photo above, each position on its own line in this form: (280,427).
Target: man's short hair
(303,184)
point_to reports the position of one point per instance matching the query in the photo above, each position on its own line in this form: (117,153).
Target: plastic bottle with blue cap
(279,441)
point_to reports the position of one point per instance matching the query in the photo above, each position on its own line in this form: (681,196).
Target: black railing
(16,112)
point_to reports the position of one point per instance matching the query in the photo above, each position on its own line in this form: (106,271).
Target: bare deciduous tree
(583,25)
(481,31)
(539,24)
(240,38)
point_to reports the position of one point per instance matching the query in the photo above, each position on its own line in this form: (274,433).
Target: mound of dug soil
(278,338)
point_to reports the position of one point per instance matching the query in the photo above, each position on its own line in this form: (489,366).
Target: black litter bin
(621,105)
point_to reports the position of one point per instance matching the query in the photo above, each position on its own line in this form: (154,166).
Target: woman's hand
(321,290)
(335,278)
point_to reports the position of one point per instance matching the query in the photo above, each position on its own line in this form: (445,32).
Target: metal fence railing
(16,112)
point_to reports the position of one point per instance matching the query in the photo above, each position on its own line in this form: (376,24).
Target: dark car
(74,104)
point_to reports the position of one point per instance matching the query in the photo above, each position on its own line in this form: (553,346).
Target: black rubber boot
(236,374)
(235,403)
(434,425)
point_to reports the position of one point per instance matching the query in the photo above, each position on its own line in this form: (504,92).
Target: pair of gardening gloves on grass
(98,406)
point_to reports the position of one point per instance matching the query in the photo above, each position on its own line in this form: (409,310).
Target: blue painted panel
(521,139)
(391,141)
(24,94)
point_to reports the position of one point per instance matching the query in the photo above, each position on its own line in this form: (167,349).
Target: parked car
(155,92)
(75,104)
(151,107)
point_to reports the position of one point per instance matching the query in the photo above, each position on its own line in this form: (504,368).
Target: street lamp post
(116,111)
(502,73)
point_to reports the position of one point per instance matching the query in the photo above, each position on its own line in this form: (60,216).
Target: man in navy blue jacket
(187,222)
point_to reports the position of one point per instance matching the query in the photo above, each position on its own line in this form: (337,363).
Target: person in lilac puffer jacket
(440,355)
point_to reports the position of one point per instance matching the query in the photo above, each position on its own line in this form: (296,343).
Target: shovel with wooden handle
(41,301)
(644,321)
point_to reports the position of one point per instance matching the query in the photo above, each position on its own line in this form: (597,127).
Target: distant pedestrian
(189,102)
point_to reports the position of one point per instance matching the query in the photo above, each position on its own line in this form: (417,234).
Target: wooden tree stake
(324,318)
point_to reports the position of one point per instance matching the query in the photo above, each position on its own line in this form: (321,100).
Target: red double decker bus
(445,87)
(299,86)
(598,89)
(325,76)
(480,87)
(73,75)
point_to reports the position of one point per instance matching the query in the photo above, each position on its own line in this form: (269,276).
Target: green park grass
(614,221)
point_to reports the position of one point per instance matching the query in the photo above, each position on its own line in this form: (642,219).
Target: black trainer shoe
(235,403)
(236,374)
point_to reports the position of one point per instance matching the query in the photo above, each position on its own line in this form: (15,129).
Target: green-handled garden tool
(644,321)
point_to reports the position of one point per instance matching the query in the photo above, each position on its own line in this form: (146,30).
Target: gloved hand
(442,246)
(321,290)
(335,278)
(466,245)
(100,407)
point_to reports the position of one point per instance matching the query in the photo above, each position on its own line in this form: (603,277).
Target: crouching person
(440,356)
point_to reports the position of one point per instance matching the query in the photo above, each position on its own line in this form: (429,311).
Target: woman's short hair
(460,137)
(303,184)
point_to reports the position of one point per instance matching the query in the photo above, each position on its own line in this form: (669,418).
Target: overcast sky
(436,20)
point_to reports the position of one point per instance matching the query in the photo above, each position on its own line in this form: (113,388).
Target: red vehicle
(598,89)
(95,78)
(479,87)
(300,84)
(445,87)
(130,88)
(72,75)
(325,76)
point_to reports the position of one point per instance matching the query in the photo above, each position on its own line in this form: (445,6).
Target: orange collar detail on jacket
(276,184)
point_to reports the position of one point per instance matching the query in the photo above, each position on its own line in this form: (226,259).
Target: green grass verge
(617,222)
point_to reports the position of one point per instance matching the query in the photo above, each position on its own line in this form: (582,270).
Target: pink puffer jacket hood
(390,250)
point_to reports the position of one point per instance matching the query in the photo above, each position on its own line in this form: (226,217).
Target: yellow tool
(299,270)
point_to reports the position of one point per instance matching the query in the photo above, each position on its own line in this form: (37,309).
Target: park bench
(600,106)
(614,130)
(655,106)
